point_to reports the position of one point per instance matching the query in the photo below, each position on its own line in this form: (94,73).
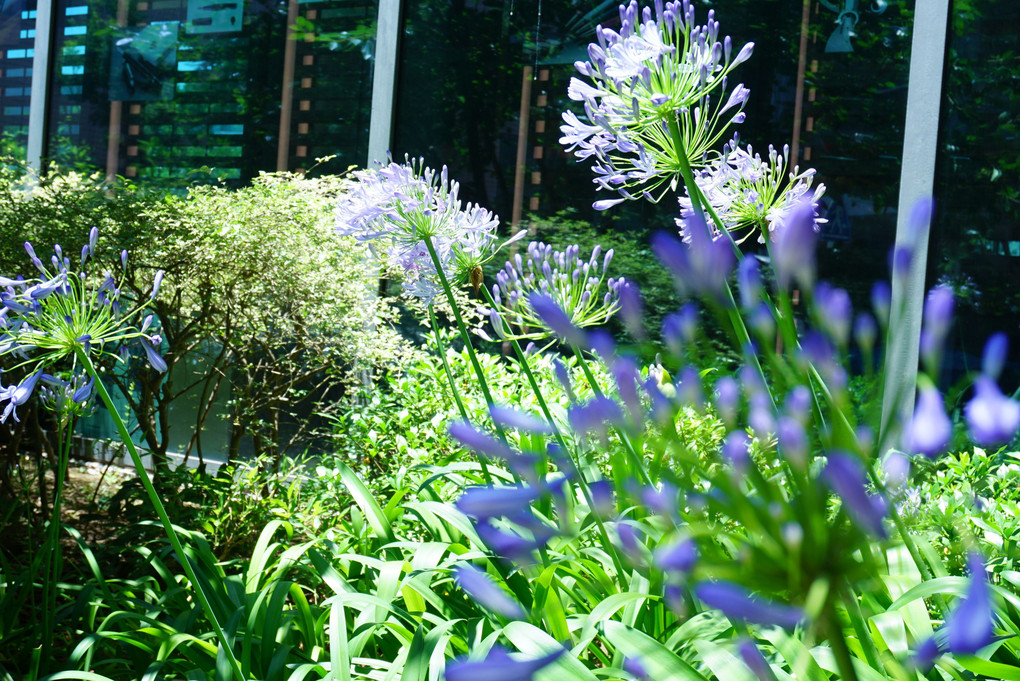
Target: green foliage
(968,498)
(261,302)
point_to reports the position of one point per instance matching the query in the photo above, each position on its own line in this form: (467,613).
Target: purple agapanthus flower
(992,418)
(409,204)
(969,626)
(737,602)
(17,395)
(480,587)
(498,665)
(753,196)
(658,69)
(48,320)
(578,287)
(846,477)
(930,429)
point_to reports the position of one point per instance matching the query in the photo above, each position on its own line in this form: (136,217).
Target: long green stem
(54,563)
(171,533)
(844,660)
(441,349)
(483,383)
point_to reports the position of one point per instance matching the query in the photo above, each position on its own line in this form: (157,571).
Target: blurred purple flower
(480,587)
(846,477)
(881,300)
(969,626)
(793,442)
(679,556)
(513,418)
(938,317)
(994,356)
(478,441)
(680,328)
(596,415)
(793,250)
(735,450)
(727,399)
(633,666)
(492,502)
(930,429)
(498,665)
(992,417)
(511,545)
(755,661)
(749,282)
(603,503)
(834,310)
(553,316)
(737,602)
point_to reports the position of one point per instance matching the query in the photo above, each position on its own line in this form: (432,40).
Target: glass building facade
(172,92)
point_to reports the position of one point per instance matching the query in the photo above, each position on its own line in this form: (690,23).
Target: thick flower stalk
(47,320)
(750,195)
(579,288)
(406,205)
(659,97)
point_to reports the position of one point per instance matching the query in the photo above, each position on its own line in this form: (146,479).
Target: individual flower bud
(755,661)
(938,317)
(677,556)
(602,501)
(763,322)
(994,356)
(881,300)
(632,309)
(157,280)
(749,282)
(680,329)
(793,253)
(123,259)
(727,399)
(793,441)
(992,418)
(930,429)
(737,602)
(834,311)
(798,404)
(846,477)
(496,502)
(865,331)
(157,362)
(480,587)
(735,450)
(556,319)
(969,627)
(498,665)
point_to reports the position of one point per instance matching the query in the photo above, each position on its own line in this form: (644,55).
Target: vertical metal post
(917,178)
(287,89)
(116,112)
(39,102)
(798,100)
(523,125)
(384,80)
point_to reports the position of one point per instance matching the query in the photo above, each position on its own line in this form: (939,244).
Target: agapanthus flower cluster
(46,320)
(659,83)
(752,195)
(411,206)
(579,288)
